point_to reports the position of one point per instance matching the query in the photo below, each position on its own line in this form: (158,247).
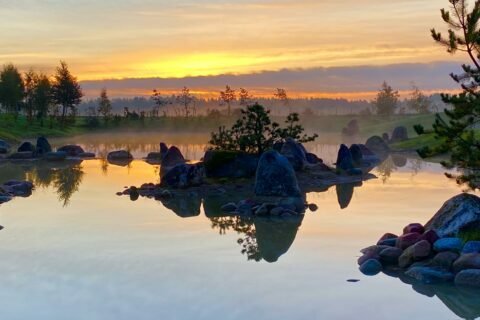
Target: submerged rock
(55,156)
(72,150)
(456,214)
(275,176)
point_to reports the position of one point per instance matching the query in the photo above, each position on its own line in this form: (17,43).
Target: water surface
(76,250)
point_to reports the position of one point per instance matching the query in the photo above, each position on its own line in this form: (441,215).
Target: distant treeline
(317,106)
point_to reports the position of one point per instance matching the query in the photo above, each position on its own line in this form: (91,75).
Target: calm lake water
(76,250)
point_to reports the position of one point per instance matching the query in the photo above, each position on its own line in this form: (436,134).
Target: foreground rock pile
(429,254)
(13,188)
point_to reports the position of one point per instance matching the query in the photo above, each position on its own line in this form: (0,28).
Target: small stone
(312,207)
(471,247)
(467,261)
(389,242)
(431,236)
(468,278)
(445,259)
(448,244)
(416,252)
(414,227)
(367,256)
(375,248)
(371,267)
(387,236)
(407,240)
(353,280)
(390,255)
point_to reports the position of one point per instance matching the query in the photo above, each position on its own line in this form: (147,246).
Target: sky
(117,39)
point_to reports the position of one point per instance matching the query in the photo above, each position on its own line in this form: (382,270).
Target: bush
(254,132)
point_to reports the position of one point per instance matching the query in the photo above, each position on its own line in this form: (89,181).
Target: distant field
(369,125)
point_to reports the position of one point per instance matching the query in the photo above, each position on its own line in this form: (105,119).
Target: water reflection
(65,178)
(345,193)
(462,301)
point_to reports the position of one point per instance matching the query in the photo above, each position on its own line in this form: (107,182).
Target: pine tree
(66,91)
(104,105)
(11,89)
(458,131)
(227,97)
(386,102)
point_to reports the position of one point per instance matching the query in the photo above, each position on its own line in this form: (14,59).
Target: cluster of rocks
(286,207)
(43,150)
(436,252)
(13,188)
(399,134)
(356,160)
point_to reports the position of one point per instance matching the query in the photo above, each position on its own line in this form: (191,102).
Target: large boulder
(378,146)
(71,150)
(229,164)
(184,175)
(275,176)
(399,134)
(357,155)
(173,157)
(26,147)
(295,153)
(43,146)
(459,213)
(163,149)
(344,159)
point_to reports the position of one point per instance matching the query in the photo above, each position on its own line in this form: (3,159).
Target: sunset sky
(115,39)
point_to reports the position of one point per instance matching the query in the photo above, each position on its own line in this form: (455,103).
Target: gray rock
(71,150)
(429,275)
(43,146)
(468,278)
(445,259)
(456,214)
(371,267)
(399,134)
(26,147)
(295,153)
(312,158)
(390,255)
(173,157)
(275,176)
(448,244)
(55,156)
(467,261)
(163,149)
(344,159)
(378,146)
(416,252)
(119,155)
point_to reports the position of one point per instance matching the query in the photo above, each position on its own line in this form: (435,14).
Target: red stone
(407,240)
(414,227)
(431,236)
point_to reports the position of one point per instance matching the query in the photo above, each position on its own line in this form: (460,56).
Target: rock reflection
(345,193)
(462,301)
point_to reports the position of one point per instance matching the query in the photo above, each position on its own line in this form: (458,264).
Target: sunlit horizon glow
(165,39)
